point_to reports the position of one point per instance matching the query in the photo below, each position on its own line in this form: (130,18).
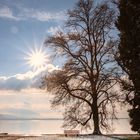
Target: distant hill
(7,116)
(12,117)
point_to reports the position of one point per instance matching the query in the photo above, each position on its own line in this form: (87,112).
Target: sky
(24,25)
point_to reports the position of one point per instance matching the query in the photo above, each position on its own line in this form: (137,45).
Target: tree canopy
(129,54)
(85,84)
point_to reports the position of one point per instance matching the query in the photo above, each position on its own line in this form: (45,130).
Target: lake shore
(62,137)
(17,137)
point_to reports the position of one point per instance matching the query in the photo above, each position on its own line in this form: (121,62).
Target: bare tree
(85,83)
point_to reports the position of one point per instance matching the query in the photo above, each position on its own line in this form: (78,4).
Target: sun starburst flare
(37,58)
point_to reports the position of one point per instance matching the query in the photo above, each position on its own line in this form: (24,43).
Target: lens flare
(37,58)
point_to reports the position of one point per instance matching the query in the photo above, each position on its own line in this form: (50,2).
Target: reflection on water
(31,126)
(49,126)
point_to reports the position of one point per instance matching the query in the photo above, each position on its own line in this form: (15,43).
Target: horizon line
(45,118)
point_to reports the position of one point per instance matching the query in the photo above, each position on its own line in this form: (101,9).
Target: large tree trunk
(96,118)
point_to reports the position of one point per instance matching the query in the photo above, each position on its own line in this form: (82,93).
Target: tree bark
(96,118)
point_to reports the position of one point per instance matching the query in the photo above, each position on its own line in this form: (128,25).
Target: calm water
(31,126)
(37,127)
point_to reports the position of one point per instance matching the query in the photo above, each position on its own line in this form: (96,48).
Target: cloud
(30,79)
(40,15)
(54,30)
(27,104)
(26,13)
(14,83)
(30,13)
(6,12)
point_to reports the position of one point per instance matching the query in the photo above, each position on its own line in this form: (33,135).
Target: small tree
(85,83)
(129,55)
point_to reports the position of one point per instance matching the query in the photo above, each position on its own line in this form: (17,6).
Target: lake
(37,127)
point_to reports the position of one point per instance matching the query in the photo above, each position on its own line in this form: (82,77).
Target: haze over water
(37,127)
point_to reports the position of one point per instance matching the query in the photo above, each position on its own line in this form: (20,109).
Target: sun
(37,58)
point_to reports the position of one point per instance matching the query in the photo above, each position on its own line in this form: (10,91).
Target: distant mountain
(12,117)
(7,116)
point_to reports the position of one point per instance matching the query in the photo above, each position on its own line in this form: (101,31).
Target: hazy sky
(24,25)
